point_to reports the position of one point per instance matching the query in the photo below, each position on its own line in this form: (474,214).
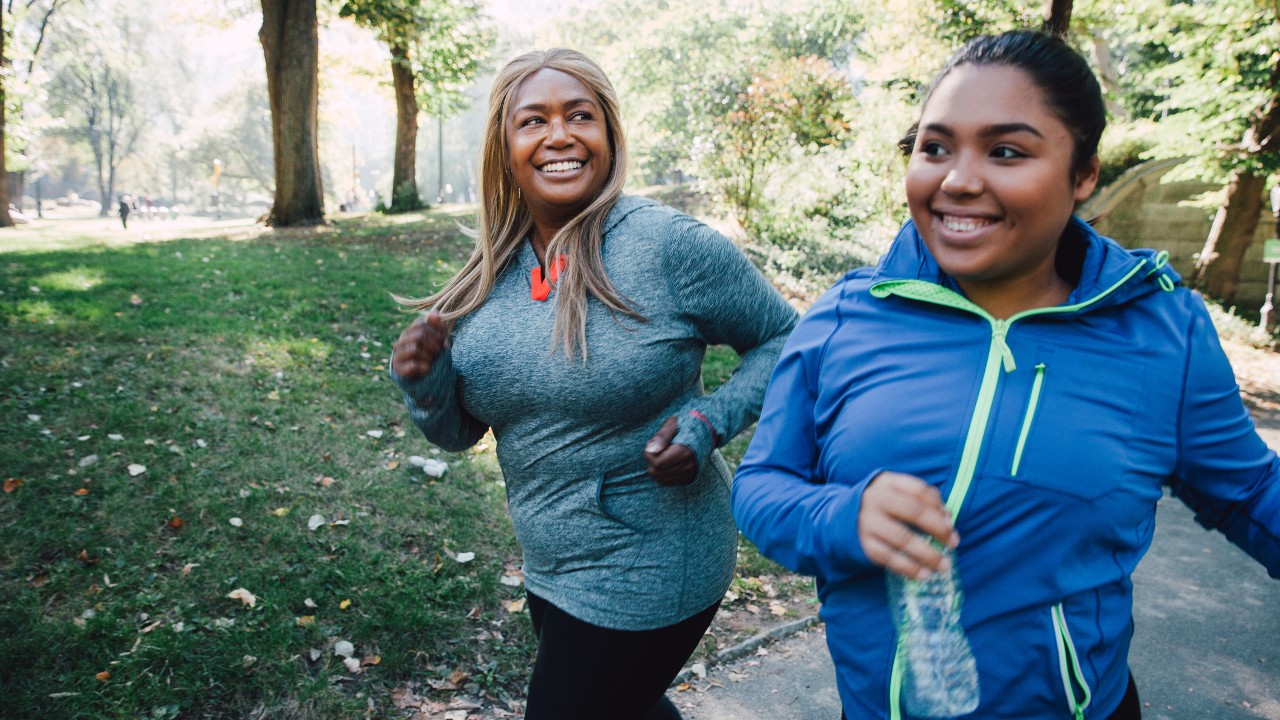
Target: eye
(932,148)
(1004,152)
(581,115)
(533,120)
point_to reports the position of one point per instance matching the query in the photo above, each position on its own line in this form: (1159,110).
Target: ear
(1087,180)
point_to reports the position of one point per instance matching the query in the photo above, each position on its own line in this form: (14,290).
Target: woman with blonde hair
(576,331)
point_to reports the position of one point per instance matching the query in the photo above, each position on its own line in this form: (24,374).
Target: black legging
(586,672)
(1130,707)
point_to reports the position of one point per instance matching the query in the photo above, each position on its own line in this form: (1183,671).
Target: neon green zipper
(999,356)
(1069,665)
(1026,420)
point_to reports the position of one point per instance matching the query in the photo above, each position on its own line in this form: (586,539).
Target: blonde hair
(505,220)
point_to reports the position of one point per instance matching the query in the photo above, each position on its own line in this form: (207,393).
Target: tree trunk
(290,46)
(1057,17)
(5,220)
(1218,269)
(404,183)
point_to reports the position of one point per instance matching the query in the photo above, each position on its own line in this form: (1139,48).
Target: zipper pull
(998,330)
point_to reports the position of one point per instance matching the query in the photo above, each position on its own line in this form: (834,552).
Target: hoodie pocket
(574,532)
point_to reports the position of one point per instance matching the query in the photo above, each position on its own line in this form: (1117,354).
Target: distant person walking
(124,211)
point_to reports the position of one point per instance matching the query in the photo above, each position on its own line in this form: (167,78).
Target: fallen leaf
(474,614)
(186,569)
(306,620)
(87,460)
(243,596)
(342,648)
(736,677)
(81,492)
(761,652)
(373,433)
(151,627)
(403,698)
(777,609)
(236,522)
(391,465)
(511,580)
(115,436)
(514,606)
(12,485)
(752,608)
(40,580)
(699,669)
(455,715)
(103,676)
(465,557)
(684,687)
(135,469)
(344,604)
(435,468)
(310,603)
(324,481)
(371,660)
(176,523)
(135,299)
(315,521)
(281,511)
(417,460)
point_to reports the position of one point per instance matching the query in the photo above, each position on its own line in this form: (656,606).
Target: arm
(731,303)
(780,497)
(429,384)
(1225,473)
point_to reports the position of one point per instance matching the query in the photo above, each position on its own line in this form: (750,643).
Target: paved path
(1206,644)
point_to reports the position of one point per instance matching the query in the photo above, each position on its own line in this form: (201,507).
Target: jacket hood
(1110,274)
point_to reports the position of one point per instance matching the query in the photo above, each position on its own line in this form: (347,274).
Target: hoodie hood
(1110,274)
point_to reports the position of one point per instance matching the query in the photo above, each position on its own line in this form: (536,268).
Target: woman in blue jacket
(1010,387)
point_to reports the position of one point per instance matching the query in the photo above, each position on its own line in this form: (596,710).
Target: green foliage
(1123,146)
(447,44)
(404,199)
(1214,66)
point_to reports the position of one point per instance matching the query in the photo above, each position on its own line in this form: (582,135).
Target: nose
(558,134)
(962,179)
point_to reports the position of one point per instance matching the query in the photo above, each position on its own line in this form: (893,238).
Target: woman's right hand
(898,514)
(419,346)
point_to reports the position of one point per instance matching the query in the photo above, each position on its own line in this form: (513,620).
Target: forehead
(982,95)
(549,86)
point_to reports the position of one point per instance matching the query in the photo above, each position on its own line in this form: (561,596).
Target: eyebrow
(988,131)
(539,107)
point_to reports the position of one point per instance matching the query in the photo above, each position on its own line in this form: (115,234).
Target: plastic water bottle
(940,677)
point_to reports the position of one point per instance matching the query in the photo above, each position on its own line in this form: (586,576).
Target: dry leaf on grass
(12,485)
(135,469)
(315,521)
(243,596)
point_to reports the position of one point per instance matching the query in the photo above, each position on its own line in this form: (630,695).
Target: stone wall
(1149,215)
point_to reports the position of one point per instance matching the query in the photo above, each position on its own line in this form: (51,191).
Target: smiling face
(991,187)
(557,147)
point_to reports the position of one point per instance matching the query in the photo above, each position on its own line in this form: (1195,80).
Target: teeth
(561,166)
(959,224)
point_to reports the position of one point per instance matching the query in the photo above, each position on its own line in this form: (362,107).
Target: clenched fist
(419,346)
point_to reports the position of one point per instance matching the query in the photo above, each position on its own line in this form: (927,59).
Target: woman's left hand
(670,463)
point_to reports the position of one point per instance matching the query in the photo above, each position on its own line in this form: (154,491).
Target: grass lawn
(187,418)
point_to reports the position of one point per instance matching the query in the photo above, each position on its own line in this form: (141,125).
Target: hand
(670,464)
(899,514)
(419,346)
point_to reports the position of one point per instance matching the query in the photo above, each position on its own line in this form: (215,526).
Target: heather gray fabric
(601,540)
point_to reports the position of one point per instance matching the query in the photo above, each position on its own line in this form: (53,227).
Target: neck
(1005,299)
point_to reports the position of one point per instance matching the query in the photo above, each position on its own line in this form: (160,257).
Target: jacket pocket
(1077,692)
(1027,418)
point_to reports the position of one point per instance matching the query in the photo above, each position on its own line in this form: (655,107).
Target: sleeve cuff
(694,432)
(426,391)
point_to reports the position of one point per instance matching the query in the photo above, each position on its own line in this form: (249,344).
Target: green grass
(245,370)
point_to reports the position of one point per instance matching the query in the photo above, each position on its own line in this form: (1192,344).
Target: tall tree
(437,47)
(96,90)
(291,48)
(1057,17)
(5,219)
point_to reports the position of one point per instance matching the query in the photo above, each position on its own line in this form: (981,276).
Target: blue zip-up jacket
(1050,434)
